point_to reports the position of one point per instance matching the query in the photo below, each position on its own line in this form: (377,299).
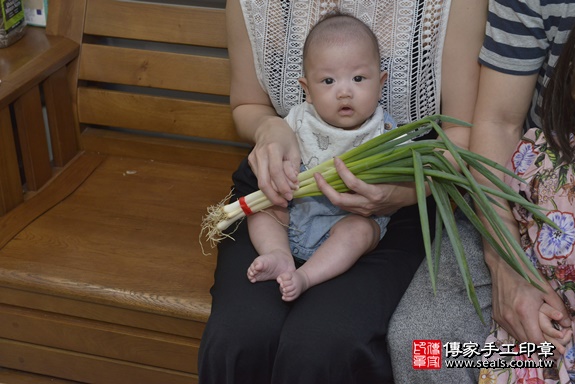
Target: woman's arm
(460,65)
(275,158)
(460,79)
(502,105)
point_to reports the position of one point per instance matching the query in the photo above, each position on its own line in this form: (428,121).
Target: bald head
(338,29)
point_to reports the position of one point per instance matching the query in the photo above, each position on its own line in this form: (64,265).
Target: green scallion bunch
(393,157)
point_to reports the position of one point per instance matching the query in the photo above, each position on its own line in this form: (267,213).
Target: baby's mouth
(346,110)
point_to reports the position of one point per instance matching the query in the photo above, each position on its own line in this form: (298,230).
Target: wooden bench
(102,279)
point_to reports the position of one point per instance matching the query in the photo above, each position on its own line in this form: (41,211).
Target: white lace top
(410,34)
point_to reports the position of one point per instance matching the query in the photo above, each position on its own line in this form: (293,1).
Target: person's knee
(335,358)
(231,352)
(358,230)
(333,348)
(250,335)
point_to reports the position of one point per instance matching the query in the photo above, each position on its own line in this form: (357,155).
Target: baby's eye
(358,79)
(328,81)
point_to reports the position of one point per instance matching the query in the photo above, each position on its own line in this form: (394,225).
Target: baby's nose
(343,92)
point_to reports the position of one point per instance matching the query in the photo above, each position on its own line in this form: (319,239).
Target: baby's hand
(549,319)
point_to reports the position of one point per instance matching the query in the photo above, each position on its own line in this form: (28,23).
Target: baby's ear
(303,82)
(382,78)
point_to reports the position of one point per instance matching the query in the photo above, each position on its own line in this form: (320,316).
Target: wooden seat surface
(131,228)
(115,263)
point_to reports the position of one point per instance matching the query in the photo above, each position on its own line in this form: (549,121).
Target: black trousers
(334,333)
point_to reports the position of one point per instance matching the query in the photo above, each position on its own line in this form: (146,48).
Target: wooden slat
(10,376)
(10,185)
(174,151)
(84,368)
(156,114)
(154,22)
(30,60)
(82,309)
(60,117)
(99,339)
(155,69)
(17,219)
(33,140)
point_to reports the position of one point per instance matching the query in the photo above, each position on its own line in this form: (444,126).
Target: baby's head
(342,75)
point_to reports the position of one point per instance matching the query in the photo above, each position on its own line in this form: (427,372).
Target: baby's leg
(349,239)
(269,236)
(270,266)
(293,284)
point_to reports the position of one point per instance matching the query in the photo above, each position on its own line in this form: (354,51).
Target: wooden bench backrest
(152,81)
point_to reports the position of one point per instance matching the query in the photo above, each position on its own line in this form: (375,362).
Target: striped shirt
(524,37)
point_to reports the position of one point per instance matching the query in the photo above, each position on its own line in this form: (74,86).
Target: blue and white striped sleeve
(516,41)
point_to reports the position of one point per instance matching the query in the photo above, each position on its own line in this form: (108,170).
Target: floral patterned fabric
(551,185)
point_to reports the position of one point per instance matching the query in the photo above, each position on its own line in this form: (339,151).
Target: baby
(342,81)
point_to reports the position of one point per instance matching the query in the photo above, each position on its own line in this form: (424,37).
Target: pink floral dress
(551,185)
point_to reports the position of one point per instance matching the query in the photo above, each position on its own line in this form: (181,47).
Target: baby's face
(343,82)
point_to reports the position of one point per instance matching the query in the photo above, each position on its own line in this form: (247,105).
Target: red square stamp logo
(426,354)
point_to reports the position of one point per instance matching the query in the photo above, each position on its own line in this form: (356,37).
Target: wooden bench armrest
(31,60)
(36,63)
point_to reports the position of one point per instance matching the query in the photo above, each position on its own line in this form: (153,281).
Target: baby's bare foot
(292,284)
(270,266)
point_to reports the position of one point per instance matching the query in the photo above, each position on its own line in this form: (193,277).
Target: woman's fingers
(363,198)
(273,164)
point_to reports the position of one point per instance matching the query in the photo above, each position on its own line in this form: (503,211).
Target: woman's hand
(367,199)
(275,160)
(549,319)
(517,304)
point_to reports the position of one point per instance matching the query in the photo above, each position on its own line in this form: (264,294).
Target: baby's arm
(549,317)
